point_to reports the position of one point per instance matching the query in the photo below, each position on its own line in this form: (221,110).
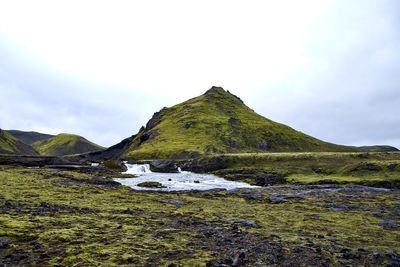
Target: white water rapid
(177,181)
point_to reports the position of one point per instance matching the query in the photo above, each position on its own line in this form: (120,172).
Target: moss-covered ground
(368,168)
(50,217)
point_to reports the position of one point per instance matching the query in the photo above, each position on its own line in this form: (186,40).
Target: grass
(65,144)
(87,224)
(313,167)
(218,122)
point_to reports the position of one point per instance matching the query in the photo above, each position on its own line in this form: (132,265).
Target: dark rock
(174,201)
(246,223)
(373,167)
(392,166)
(376,255)
(276,199)
(196,182)
(268,179)
(4,243)
(383,184)
(348,255)
(151,185)
(36,244)
(117,165)
(341,207)
(173,265)
(33,161)
(327,181)
(171,253)
(205,164)
(162,233)
(168,166)
(390,224)
(253,196)
(239,259)
(263,145)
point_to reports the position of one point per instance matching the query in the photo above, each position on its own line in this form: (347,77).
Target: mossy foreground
(50,217)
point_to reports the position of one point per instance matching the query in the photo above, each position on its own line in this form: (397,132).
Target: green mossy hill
(29,137)
(11,145)
(65,144)
(218,122)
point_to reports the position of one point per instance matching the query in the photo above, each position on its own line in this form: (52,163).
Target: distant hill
(65,144)
(11,145)
(382,148)
(29,137)
(218,122)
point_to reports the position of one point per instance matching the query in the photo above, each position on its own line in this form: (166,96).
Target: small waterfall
(138,168)
(179,169)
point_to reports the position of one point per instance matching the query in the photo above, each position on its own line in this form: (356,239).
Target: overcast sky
(100,69)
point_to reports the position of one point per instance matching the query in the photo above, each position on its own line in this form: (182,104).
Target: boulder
(164,166)
(151,185)
(117,165)
(268,179)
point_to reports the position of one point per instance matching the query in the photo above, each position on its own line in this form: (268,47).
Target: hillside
(381,148)
(65,144)
(218,122)
(11,145)
(29,137)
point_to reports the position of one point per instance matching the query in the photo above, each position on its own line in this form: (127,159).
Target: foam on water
(177,181)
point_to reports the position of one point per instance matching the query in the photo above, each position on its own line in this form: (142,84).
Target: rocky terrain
(55,217)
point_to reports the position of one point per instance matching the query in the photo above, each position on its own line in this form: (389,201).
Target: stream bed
(177,181)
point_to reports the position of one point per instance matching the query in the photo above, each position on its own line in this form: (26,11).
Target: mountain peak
(217,122)
(215,90)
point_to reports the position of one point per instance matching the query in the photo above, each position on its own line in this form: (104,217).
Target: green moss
(65,144)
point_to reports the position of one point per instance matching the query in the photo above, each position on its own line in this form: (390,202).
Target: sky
(100,69)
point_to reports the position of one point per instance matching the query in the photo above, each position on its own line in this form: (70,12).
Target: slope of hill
(11,145)
(29,137)
(218,122)
(65,144)
(378,148)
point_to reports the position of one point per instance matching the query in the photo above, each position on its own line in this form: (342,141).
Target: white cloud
(314,65)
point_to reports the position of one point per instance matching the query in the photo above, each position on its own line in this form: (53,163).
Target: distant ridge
(29,137)
(377,148)
(11,145)
(65,144)
(218,122)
